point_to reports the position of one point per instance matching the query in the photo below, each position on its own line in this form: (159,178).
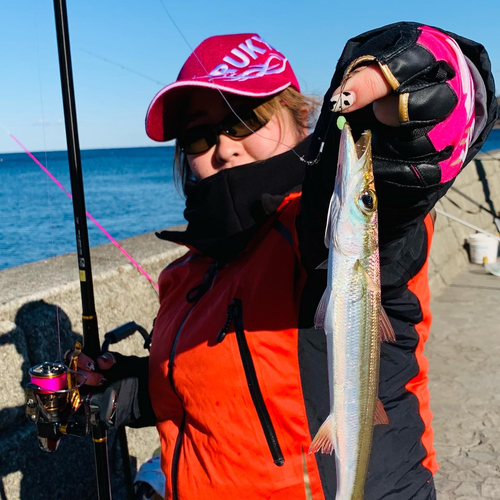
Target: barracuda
(353,318)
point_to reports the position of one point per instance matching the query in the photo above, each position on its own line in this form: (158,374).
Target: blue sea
(129,191)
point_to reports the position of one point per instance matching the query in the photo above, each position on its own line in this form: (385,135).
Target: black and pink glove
(446,101)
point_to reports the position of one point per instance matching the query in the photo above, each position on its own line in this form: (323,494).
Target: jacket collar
(225,210)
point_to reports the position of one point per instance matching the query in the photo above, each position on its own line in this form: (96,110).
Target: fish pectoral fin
(319,317)
(386,331)
(323,265)
(323,441)
(369,281)
(380,414)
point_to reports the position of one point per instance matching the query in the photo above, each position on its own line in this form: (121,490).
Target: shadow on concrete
(486,188)
(40,329)
(68,472)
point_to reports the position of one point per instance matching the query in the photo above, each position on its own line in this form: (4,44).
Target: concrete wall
(29,335)
(29,324)
(480,181)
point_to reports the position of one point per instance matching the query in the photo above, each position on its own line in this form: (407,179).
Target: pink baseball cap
(242,64)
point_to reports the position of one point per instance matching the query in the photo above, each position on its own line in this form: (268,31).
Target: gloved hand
(424,98)
(428,98)
(128,376)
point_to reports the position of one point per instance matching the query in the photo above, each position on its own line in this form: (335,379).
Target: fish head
(353,211)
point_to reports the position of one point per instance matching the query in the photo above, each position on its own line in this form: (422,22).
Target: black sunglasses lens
(245,124)
(197,140)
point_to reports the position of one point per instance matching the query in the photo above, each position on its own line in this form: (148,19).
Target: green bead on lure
(341,121)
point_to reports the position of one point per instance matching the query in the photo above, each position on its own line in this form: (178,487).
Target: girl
(237,373)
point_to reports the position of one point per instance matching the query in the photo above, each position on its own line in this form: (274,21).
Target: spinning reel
(53,401)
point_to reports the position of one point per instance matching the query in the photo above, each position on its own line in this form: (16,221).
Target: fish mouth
(357,158)
(354,201)
(364,144)
(363,148)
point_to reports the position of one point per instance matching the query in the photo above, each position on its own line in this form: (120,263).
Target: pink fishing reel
(49,377)
(51,397)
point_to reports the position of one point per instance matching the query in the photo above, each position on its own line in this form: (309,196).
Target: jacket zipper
(193,296)
(234,313)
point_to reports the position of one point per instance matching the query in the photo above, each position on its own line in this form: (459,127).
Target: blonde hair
(302,110)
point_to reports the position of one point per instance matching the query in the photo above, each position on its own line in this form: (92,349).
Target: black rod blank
(89,317)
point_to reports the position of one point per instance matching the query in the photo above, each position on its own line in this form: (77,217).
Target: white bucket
(481,247)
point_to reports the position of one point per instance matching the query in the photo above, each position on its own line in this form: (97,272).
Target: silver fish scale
(356,353)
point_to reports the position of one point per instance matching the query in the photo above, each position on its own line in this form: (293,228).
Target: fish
(353,318)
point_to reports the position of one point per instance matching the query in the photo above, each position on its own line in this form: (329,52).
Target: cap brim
(165,113)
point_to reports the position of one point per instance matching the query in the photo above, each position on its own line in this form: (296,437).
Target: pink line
(122,250)
(42,167)
(117,245)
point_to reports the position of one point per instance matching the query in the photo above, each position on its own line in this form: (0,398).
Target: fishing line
(90,216)
(123,67)
(470,212)
(468,224)
(301,158)
(471,200)
(51,224)
(53,178)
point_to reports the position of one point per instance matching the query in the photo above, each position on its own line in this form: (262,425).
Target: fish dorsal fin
(380,414)
(323,441)
(323,265)
(319,317)
(386,331)
(332,210)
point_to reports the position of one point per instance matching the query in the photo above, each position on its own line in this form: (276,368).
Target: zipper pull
(231,313)
(198,291)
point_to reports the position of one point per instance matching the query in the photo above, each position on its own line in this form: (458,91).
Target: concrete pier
(464,374)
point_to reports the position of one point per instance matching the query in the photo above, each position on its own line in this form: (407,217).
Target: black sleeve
(406,164)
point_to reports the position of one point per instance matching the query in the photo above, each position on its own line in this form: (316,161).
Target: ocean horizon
(130,191)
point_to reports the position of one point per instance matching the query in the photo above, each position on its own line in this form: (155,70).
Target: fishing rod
(91,344)
(52,397)
(467,224)
(89,318)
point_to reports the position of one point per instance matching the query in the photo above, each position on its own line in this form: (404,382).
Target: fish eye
(367,200)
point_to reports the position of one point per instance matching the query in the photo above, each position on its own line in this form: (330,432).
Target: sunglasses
(197,140)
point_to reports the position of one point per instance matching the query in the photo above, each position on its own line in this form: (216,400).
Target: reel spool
(51,397)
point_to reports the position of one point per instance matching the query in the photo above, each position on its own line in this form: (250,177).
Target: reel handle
(122,332)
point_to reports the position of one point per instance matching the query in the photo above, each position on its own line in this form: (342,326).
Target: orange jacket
(225,378)
(224,374)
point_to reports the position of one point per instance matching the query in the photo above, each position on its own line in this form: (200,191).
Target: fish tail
(324,439)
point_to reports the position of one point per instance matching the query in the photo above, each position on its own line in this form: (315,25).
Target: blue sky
(111,102)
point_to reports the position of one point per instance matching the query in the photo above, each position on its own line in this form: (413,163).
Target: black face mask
(225,210)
